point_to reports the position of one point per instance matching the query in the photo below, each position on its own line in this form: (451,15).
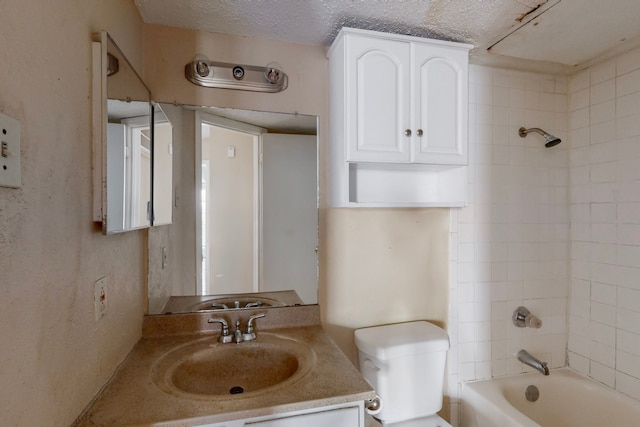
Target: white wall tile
(628,62)
(579,99)
(628,385)
(579,118)
(628,341)
(579,81)
(628,105)
(603,373)
(628,363)
(602,112)
(602,71)
(628,83)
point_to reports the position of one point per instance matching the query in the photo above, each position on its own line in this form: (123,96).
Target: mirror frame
(102,44)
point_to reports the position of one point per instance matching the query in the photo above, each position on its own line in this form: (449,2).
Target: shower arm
(523,131)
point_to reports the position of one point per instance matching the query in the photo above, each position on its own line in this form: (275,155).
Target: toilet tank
(405,364)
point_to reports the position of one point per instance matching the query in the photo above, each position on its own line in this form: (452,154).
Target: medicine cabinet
(123,144)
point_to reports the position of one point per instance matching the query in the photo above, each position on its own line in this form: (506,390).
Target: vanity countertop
(132,397)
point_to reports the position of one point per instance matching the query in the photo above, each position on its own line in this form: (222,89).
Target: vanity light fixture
(202,72)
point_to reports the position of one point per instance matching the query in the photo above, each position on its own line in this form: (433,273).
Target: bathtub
(566,399)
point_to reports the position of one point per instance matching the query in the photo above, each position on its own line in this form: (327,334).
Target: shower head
(549,140)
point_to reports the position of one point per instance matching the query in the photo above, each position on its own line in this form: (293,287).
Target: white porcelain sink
(207,369)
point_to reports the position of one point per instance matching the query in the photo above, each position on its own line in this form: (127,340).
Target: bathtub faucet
(528,359)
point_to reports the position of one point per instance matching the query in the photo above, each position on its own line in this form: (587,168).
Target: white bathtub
(567,399)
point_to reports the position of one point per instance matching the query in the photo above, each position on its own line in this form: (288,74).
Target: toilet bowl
(405,363)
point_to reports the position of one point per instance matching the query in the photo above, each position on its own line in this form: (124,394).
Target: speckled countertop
(132,397)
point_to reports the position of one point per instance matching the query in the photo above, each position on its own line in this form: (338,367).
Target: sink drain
(236,390)
(532,393)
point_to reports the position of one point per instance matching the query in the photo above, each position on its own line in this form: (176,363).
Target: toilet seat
(431,421)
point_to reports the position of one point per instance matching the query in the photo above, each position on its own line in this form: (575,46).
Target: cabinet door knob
(419,132)
(407,132)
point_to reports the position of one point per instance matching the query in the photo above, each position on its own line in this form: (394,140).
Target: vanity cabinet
(398,120)
(347,415)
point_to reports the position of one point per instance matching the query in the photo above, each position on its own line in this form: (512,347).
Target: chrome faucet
(249,334)
(238,336)
(525,357)
(225,336)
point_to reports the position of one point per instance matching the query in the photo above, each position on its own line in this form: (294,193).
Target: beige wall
(383,266)
(54,356)
(179,276)
(376,265)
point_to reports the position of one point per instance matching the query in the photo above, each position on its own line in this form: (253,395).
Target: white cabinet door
(346,417)
(378,100)
(441,107)
(407,102)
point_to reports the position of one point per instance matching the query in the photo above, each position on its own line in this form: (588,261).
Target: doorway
(257,216)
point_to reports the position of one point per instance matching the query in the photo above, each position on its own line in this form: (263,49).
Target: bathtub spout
(526,358)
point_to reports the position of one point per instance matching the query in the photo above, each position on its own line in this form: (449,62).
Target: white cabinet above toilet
(398,120)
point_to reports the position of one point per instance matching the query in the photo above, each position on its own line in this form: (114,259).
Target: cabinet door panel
(378,100)
(442,107)
(346,417)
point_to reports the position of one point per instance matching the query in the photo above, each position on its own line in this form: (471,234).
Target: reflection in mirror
(122,142)
(255,210)
(128,165)
(162,167)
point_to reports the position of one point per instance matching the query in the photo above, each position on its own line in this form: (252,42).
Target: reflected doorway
(258,227)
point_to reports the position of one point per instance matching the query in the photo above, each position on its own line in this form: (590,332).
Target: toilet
(405,364)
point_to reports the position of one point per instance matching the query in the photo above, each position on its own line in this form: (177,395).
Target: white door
(441,108)
(290,215)
(378,100)
(230,215)
(116,173)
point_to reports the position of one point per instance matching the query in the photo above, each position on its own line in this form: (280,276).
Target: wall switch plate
(100,298)
(10,175)
(164,257)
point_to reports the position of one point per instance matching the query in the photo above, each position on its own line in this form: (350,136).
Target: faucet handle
(250,335)
(225,336)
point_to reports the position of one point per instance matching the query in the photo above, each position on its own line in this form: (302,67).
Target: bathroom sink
(230,302)
(207,369)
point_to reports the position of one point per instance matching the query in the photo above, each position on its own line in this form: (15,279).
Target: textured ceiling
(318,21)
(584,29)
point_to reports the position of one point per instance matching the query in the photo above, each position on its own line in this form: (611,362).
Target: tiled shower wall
(554,229)
(604,304)
(510,245)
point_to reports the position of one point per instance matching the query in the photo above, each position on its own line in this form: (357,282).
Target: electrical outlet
(10,175)
(100,298)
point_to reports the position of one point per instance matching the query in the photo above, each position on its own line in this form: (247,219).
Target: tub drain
(236,390)
(532,393)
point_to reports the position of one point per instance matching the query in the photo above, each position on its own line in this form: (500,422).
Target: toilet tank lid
(401,339)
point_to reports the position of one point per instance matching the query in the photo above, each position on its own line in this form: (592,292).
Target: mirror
(246,213)
(122,141)
(162,173)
